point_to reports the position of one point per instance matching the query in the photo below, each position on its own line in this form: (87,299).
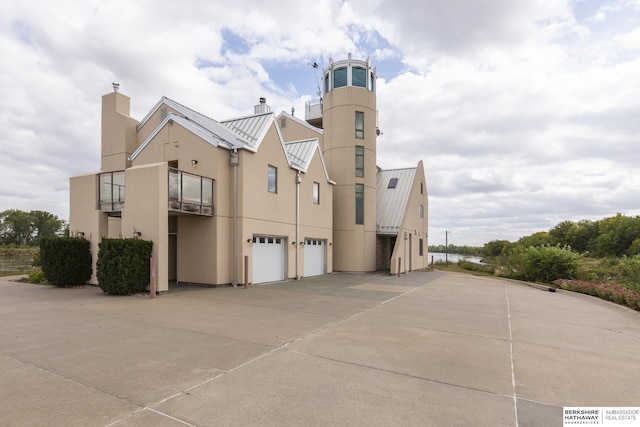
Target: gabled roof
(192,127)
(300,154)
(244,132)
(251,129)
(391,202)
(207,123)
(300,121)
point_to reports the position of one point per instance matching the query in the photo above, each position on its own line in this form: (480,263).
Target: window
(421,211)
(359,77)
(283,122)
(392,183)
(359,125)
(420,247)
(359,161)
(326,83)
(316,193)
(371,82)
(272,179)
(339,77)
(359,203)
(421,190)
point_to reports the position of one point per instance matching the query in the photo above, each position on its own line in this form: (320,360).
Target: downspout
(298,181)
(235,161)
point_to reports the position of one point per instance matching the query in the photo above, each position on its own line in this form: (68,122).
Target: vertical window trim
(275,179)
(359,204)
(359,155)
(359,125)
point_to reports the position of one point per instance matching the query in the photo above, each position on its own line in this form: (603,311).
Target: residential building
(258,198)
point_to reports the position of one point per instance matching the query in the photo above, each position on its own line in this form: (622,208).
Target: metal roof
(392,202)
(301,152)
(207,124)
(251,129)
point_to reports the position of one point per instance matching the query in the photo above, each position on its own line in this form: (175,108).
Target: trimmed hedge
(123,265)
(66,261)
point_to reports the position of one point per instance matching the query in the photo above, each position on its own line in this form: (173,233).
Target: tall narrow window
(372,82)
(421,188)
(359,161)
(421,211)
(359,125)
(316,193)
(421,247)
(326,83)
(359,203)
(272,179)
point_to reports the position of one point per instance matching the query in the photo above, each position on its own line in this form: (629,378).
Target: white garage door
(268,259)
(315,257)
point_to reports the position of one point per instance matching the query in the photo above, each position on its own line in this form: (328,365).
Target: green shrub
(35,277)
(544,263)
(474,266)
(123,265)
(630,272)
(66,261)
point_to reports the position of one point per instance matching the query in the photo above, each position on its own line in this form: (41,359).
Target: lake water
(453,258)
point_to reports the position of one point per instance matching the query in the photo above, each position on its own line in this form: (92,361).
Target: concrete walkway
(425,349)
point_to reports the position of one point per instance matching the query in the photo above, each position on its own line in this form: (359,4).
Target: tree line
(23,228)
(614,236)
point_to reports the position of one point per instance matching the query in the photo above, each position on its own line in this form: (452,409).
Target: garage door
(315,257)
(268,259)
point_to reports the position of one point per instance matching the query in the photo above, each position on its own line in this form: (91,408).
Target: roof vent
(262,107)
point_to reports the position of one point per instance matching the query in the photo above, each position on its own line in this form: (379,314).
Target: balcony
(111,191)
(313,112)
(191,194)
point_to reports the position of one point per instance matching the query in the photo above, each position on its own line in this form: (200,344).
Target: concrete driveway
(427,348)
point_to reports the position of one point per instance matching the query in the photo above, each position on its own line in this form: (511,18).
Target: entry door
(315,256)
(268,259)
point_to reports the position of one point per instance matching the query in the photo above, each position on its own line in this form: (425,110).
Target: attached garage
(315,257)
(269,261)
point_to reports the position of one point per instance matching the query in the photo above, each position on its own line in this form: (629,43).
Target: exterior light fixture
(249,240)
(137,235)
(80,234)
(194,164)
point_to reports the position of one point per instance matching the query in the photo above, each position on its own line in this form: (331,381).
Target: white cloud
(525,113)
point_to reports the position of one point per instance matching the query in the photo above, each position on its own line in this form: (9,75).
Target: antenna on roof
(314,65)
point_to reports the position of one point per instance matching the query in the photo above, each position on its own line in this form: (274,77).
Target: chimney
(262,107)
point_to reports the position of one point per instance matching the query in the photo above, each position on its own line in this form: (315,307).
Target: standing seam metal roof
(391,202)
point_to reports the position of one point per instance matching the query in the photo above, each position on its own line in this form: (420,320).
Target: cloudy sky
(525,113)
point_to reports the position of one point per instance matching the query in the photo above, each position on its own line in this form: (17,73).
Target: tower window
(359,77)
(339,77)
(359,125)
(272,179)
(359,203)
(359,161)
(372,79)
(421,247)
(421,211)
(326,83)
(392,183)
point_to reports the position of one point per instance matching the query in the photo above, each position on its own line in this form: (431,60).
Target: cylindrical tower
(349,120)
